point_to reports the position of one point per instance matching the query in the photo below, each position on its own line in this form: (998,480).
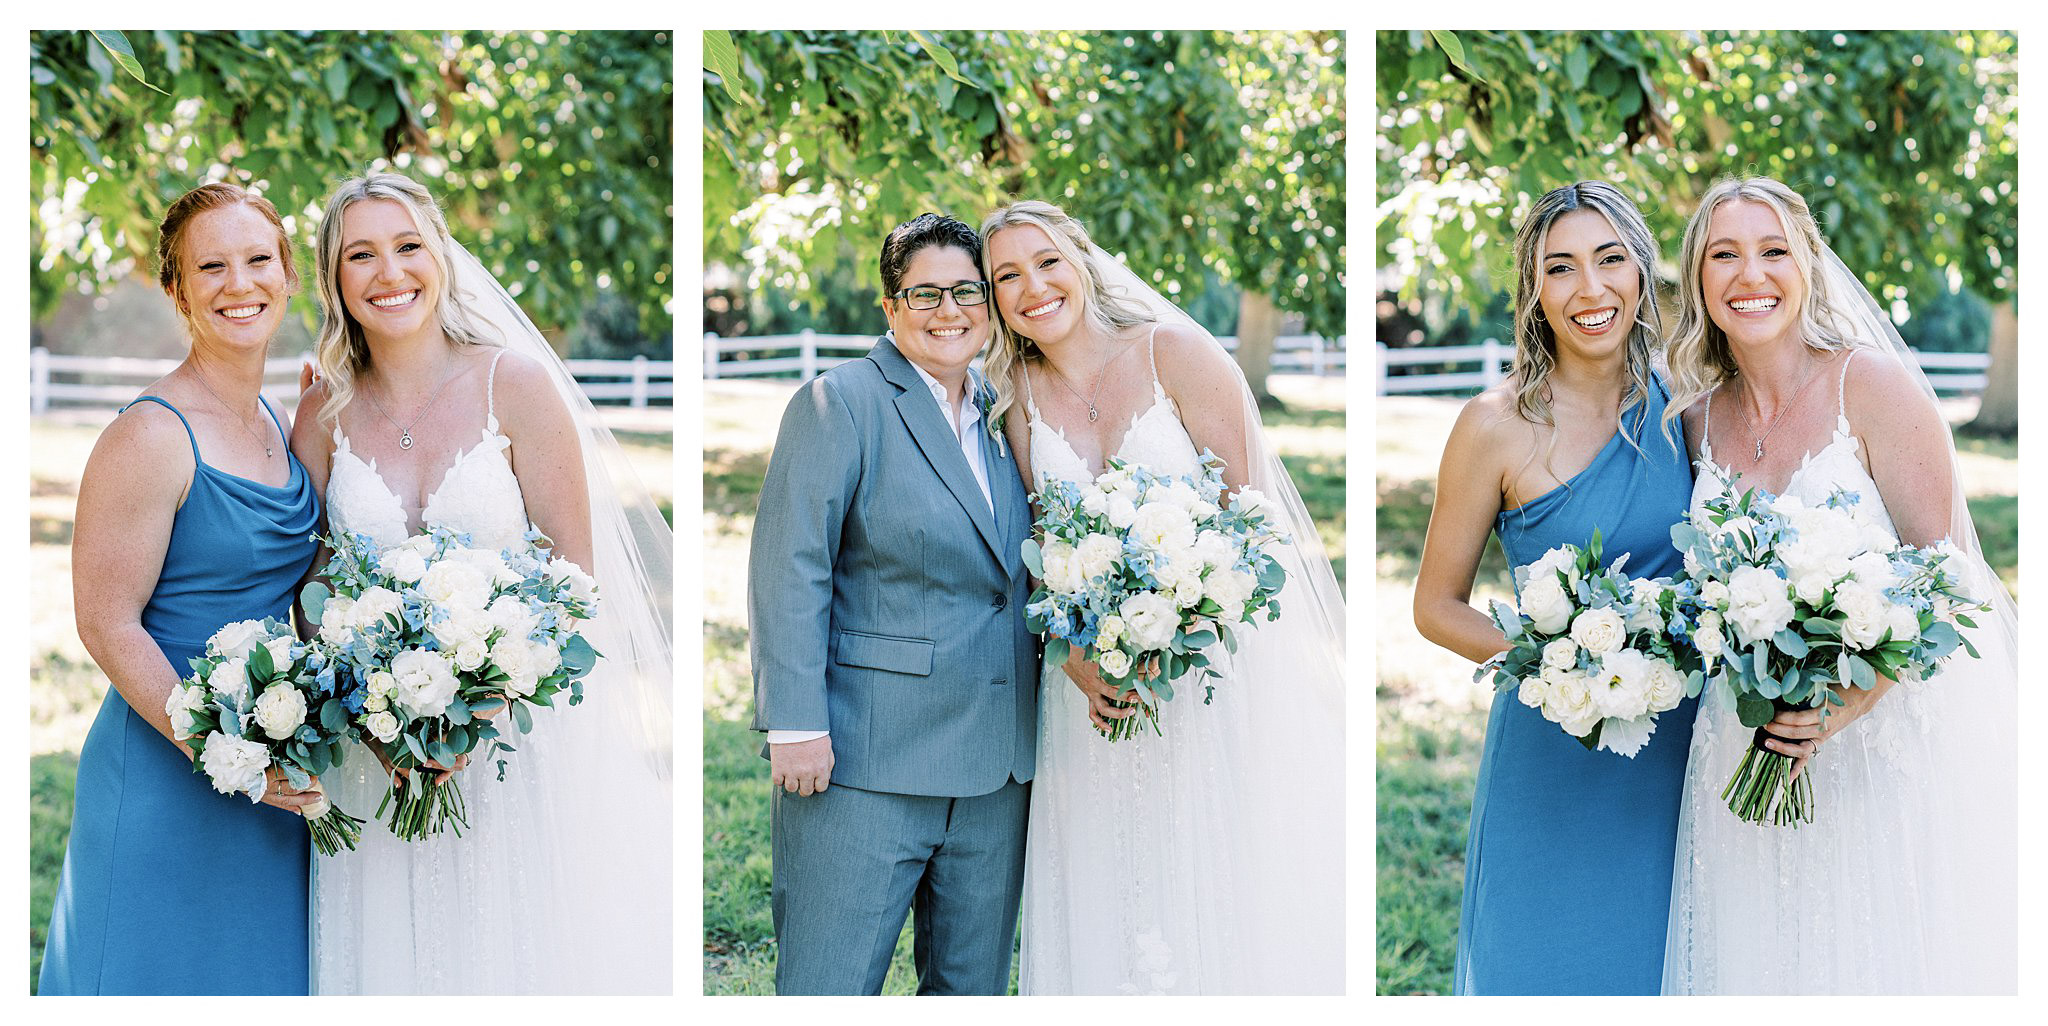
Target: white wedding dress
(530,898)
(1199,862)
(1903,884)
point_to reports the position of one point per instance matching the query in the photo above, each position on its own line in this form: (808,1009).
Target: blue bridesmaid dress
(1568,864)
(170,887)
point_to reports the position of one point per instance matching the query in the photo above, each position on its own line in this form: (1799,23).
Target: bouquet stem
(334,830)
(424,806)
(1130,726)
(1763,790)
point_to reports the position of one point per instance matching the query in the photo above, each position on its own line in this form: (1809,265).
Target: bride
(1905,881)
(439,403)
(1208,860)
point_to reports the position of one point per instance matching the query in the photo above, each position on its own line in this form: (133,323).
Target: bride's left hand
(1808,728)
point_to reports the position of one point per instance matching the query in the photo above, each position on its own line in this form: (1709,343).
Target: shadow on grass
(1424,795)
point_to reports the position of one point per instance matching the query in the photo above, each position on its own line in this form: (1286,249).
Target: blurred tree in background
(1213,162)
(1905,144)
(550,152)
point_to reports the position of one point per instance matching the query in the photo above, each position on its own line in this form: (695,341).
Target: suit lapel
(940,446)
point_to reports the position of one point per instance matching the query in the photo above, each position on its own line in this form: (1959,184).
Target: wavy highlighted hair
(340,349)
(1109,312)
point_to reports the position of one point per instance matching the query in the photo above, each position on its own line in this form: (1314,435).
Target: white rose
(1759,604)
(1251,500)
(1569,704)
(471,654)
(1862,609)
(403,564)
(236,639)
(460,625)
(182,705)
(1560,654)
(1114,663)
(1188,589)
(1874,569)
(1715,595)
(376,703)
(1621,688)
(426,683)
(546,658)
(1230,589)
(1111,627)
(235,765)
(1122,511)
(280,711)
(1667,686)
(515,659)
(1532,692)
(1215,549)
(382,725)
(381,683)
(1560,560)
(1902,622)
(1098,554)
(1062,571)
(1150,620)
(1599,631)
(456,583)
(337,623)
(1812,586)
(280,650)
(230,680)
(1546,604)
(1094,500)
(374,605)
(1162,525)
(1707,636)
(488,563)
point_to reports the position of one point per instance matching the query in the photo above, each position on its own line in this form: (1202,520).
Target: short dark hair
(924,230)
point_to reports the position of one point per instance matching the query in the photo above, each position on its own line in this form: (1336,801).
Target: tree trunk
(1258,324)
(1999,412)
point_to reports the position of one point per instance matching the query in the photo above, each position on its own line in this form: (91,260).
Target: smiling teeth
(1045,308)
(398,300)
(1598,320)
(240,312)
(947,332)
(1753,305)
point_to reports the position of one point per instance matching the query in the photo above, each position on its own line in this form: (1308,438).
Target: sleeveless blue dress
(1568,862)
(170,887)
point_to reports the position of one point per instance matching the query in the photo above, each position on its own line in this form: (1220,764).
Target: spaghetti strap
(284,438)
(1030,404)
(160,401)
(490,393)
(1152,357)
(1707,427)
(1842,393)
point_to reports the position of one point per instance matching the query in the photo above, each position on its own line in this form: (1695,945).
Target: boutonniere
(985,401)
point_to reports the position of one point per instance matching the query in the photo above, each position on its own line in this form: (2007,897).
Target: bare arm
(1017,427)
(313,444)
(547,456)
(1469,489)
(1906,448)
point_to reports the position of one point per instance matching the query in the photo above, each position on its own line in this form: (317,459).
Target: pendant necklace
(1772,424)
(405,429)
(1089,399)
(268,452)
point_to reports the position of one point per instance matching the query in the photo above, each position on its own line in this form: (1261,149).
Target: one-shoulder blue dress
(170,887)
(1568,863)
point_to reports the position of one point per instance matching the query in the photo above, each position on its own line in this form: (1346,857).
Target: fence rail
(112,380)
(809,354)
(1949,373)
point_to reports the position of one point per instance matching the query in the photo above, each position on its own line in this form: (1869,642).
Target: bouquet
(1143,571)
(1592,649)
(434,637)
(1793,598)
(256,700)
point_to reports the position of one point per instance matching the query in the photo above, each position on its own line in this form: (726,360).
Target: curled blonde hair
(1700,357)
(340,349)
(1109,312)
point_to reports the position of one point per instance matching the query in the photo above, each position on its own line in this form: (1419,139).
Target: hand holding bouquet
(1592,649)
(259,698)
(434,637)
(1795,599)
(1142,571)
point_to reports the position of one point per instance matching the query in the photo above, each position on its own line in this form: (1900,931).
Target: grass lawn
(65,687)
(740,420)
(1430,720)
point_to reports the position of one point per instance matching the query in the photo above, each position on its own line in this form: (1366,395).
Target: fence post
(1379,368)
(639,381)
(1316,355)
(809,353)
(39,380)
(1490,356)
(710,355)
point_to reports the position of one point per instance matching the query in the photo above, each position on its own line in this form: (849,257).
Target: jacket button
(1001,682)
(1002,601)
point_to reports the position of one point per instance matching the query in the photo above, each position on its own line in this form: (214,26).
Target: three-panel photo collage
(424,598)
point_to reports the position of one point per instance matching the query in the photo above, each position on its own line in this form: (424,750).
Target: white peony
(403,563)
(230,680)
(1062,570)
(1150,620)
(374,606)
(1569,703)
(1759,604)
(461,625)
(1862,610)
(382,725)
(235,765)
(425,681)
(1098,554)
(1874,569)
(1188,587)
(1163,526)
(337,622)
(280,711)
(515,658)
(1113,663)
(1251,500)
(1215,549)
(1122,511)
(1902,622)
(1599,631)
(182,706)
(236,639)
(1094,501)
(1545,603)
(456,583)
(1177,493)
(1560,654)
(489,563)
(1230,589)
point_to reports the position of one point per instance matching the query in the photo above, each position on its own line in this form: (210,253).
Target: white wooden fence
(815,353)
(112,380)
(1949,373)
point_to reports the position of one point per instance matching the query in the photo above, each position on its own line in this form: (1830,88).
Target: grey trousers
(850,864)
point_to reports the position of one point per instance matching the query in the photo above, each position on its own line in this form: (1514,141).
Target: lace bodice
(1155,439)
(478,495)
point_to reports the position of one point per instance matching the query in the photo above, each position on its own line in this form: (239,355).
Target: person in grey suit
(893,672)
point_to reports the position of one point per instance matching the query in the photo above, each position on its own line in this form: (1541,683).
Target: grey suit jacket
(885,602)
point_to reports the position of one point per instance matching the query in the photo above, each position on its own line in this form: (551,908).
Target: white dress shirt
(966,426)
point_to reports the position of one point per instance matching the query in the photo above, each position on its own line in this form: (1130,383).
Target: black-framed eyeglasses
(928,297)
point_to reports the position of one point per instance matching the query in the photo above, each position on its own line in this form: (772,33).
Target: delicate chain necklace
(1772,425)
(405,429)
(1097,390)
(240,421)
